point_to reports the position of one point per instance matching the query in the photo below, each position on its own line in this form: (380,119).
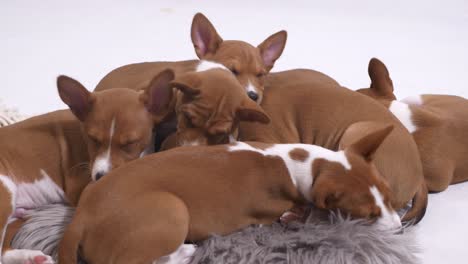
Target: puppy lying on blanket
(147,209)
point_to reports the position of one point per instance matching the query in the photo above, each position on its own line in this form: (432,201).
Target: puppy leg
(161,229)
(140,230)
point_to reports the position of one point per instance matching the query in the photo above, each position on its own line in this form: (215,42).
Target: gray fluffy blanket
(322,239)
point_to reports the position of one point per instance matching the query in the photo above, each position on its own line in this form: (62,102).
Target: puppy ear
(188,84)
(272,47)
(380,79)
(325,192)
(158,94)
(250,111)
(205,39)
(368,144)
(75,95)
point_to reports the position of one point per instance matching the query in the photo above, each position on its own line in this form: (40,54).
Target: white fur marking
(403,113)
(232,139)
(413,100)
(103,163)
(388,219)
(250,87)
(38,193)
(21,256)
(190,143)
(205,65)
(11,187)
(182,255)
(300,172)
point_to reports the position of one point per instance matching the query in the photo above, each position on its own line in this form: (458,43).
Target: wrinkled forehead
(239,55)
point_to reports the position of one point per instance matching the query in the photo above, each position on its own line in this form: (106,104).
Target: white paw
(182,255)
(26,256)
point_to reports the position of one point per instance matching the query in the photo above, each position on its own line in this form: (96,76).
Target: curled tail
(68,248)
(418,206)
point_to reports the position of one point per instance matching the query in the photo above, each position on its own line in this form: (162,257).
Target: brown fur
(247,62)
(307,107)
(441,123)
(65,143)
(162,212)
(299,154)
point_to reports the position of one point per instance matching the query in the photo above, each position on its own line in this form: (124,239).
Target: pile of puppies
(235,145)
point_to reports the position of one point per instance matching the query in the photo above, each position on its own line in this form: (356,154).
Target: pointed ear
(250,111)
(380,78)
(188,84)
(325,192)
(205,39)
(158,94)
(75,95)
(368,145)
(272,47)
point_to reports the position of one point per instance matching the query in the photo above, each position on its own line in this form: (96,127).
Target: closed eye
(129,146)
(96,142)
(234,71)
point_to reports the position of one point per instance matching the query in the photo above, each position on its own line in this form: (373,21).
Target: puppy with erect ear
(158,96)
(118,123)
(75,95)
(250,64)
(381,87)
(358,190)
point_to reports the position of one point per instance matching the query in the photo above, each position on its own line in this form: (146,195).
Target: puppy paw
(26,256)
(182,255)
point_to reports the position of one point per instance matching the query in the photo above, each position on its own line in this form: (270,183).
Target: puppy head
(117,123)
(248,63)
(359,191)
(381,88)
(210,106)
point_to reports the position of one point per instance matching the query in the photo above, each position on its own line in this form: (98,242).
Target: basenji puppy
(126,219)
(249,64)
(63,146)
(315,110)
(437,123)
(111,135)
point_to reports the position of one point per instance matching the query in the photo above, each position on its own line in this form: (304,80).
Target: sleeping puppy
(148,208)
(438,124)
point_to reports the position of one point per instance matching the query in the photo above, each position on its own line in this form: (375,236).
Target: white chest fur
(300,171)
(34,194)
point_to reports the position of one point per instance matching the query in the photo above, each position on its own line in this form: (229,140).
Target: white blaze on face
(403,113)
(250,87)
(389,219)
(205,65)
(102,163)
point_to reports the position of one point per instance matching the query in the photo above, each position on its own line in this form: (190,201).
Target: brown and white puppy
(250,64)
(438,124)
(210,105)
(308,107)
(149,214)
(62,146)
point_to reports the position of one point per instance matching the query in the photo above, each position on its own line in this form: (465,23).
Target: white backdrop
(423,43)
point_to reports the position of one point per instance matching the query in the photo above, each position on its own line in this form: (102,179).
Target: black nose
(253,95)
(99,175)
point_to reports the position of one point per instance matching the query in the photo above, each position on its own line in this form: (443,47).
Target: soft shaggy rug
(322,239)
(9,115)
